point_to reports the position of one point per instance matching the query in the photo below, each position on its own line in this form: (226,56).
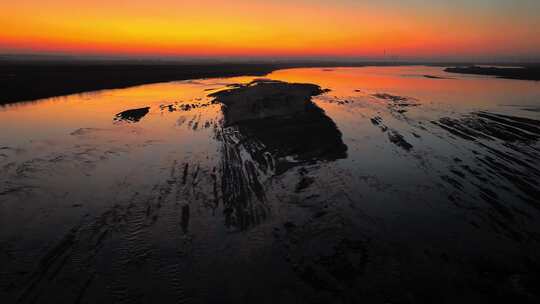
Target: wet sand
(348,185)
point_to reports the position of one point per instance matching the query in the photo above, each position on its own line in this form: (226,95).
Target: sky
(407,29)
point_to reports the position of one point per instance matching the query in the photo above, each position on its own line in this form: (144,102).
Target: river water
(397,184)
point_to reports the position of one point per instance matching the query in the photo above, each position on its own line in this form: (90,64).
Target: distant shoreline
(525,73)
(32,80)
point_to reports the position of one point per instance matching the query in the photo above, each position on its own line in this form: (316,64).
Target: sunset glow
(272,28)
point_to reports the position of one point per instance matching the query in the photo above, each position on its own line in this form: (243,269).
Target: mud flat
(132,115)
(315,185)
(510,153)
(279,127)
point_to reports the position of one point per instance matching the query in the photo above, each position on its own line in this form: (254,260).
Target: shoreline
(26,81)
(517,73)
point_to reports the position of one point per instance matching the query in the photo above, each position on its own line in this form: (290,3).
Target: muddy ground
(265,190)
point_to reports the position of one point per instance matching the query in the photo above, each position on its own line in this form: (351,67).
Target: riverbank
(521,73)
(35,80)
(27,80)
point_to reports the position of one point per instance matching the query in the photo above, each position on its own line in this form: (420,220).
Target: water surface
(399,184)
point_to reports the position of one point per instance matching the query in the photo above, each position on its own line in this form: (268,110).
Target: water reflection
(392,185)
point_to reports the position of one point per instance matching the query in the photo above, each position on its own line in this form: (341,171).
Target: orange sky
(413,28)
